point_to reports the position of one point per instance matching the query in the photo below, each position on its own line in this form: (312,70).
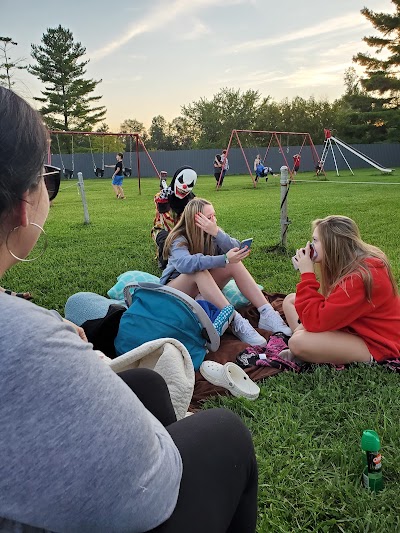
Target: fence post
(83,196)
(284,192)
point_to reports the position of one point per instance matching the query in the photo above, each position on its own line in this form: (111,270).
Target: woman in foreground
(81,450)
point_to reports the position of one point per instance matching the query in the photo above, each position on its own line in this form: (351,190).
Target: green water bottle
(372,473)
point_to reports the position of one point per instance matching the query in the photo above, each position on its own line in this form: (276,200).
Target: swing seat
(127,172)
(99,172)
(69,174)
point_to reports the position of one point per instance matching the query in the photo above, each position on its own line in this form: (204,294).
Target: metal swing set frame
(274,140)
(99,171)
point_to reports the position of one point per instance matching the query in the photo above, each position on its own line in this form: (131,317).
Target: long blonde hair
(345,253)
(198,241)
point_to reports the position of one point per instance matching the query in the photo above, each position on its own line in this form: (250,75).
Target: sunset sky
(156,56)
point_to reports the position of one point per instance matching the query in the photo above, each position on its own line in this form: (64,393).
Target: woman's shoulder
(23,312)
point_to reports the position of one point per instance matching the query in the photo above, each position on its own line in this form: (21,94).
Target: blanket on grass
(230,347)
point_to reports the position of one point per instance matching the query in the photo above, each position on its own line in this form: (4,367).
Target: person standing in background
(225,165)
(118,176)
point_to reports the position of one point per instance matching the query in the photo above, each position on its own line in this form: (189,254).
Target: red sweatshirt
(347,309)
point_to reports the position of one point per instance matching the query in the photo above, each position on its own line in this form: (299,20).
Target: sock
(222,320)
(265,307)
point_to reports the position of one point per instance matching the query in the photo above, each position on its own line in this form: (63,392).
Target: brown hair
(24,142)
(198,241)
(345,253)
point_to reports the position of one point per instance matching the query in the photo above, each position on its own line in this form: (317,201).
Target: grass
(306,428)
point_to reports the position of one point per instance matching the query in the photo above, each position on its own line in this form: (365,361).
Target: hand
(80,331)
(207,225)
(235,255)
(305,263)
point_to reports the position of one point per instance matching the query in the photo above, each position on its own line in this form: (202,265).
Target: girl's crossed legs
(336,347)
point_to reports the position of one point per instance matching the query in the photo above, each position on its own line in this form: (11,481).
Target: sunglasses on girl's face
(52,177)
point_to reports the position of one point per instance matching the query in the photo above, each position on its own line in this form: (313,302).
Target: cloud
(124,79)
(346,22)
(157,18)
(198,30)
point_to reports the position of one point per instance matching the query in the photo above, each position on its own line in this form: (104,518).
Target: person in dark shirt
(118,177)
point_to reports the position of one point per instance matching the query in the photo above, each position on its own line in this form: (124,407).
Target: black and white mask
(184,181)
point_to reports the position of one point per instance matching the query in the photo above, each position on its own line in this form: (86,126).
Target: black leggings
(218,491)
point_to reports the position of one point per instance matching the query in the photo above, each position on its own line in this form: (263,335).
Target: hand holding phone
(246,242)
(313,256)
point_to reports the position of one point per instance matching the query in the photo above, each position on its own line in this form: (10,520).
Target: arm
(186,263)
(225,242)
(338,310)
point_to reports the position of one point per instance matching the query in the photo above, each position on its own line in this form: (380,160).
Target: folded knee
(296,342)
(289,301)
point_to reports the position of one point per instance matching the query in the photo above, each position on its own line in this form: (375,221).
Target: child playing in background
(118,176)
(296,163)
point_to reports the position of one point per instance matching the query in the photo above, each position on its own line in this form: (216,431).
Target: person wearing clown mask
(170,203)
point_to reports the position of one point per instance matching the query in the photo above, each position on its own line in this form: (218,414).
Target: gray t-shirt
(78,450)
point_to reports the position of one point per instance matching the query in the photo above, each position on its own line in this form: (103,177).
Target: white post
(83,196)
(284,191)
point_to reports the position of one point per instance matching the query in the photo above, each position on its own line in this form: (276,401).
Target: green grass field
(306,428)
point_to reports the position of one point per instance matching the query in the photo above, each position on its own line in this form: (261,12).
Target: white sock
(265,307)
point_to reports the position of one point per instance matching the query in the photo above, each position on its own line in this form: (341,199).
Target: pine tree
(381,79)
(7,65)
(67,97)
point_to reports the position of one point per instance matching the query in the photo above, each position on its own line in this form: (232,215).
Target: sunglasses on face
(52,177)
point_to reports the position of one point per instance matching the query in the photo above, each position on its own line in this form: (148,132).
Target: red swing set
(274,140)
(134,139)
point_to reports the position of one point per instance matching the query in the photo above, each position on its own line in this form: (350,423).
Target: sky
(155,56)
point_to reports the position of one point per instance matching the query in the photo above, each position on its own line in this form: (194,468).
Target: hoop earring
(33,258)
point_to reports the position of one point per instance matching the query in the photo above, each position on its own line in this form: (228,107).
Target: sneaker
(244,331)
(272,321)
(276,344)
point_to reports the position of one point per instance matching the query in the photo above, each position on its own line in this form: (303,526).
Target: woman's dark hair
(218,158)
(23,148)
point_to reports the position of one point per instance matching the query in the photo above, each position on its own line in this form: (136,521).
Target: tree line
(367,112)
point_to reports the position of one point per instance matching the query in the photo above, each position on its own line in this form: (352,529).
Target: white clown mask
(184,182)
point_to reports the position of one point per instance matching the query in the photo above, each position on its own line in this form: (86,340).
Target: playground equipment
(329,143)
(99,170)
(275,139)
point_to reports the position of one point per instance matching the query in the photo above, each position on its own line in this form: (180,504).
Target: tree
(67,96)
(381,79)
(160,138)
(180,134)
(210,122)
(131,125)
(7,65)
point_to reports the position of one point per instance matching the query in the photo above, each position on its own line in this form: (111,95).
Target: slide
(361,155)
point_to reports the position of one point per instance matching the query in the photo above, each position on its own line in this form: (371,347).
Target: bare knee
(288,302)
(297,342)
(200,274)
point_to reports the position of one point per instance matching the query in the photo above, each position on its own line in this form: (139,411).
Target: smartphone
(313,256)
(246,242)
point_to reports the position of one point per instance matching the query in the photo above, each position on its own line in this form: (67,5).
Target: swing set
(275,139)
(99,170)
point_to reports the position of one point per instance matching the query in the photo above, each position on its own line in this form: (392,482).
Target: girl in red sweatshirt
(353,314)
